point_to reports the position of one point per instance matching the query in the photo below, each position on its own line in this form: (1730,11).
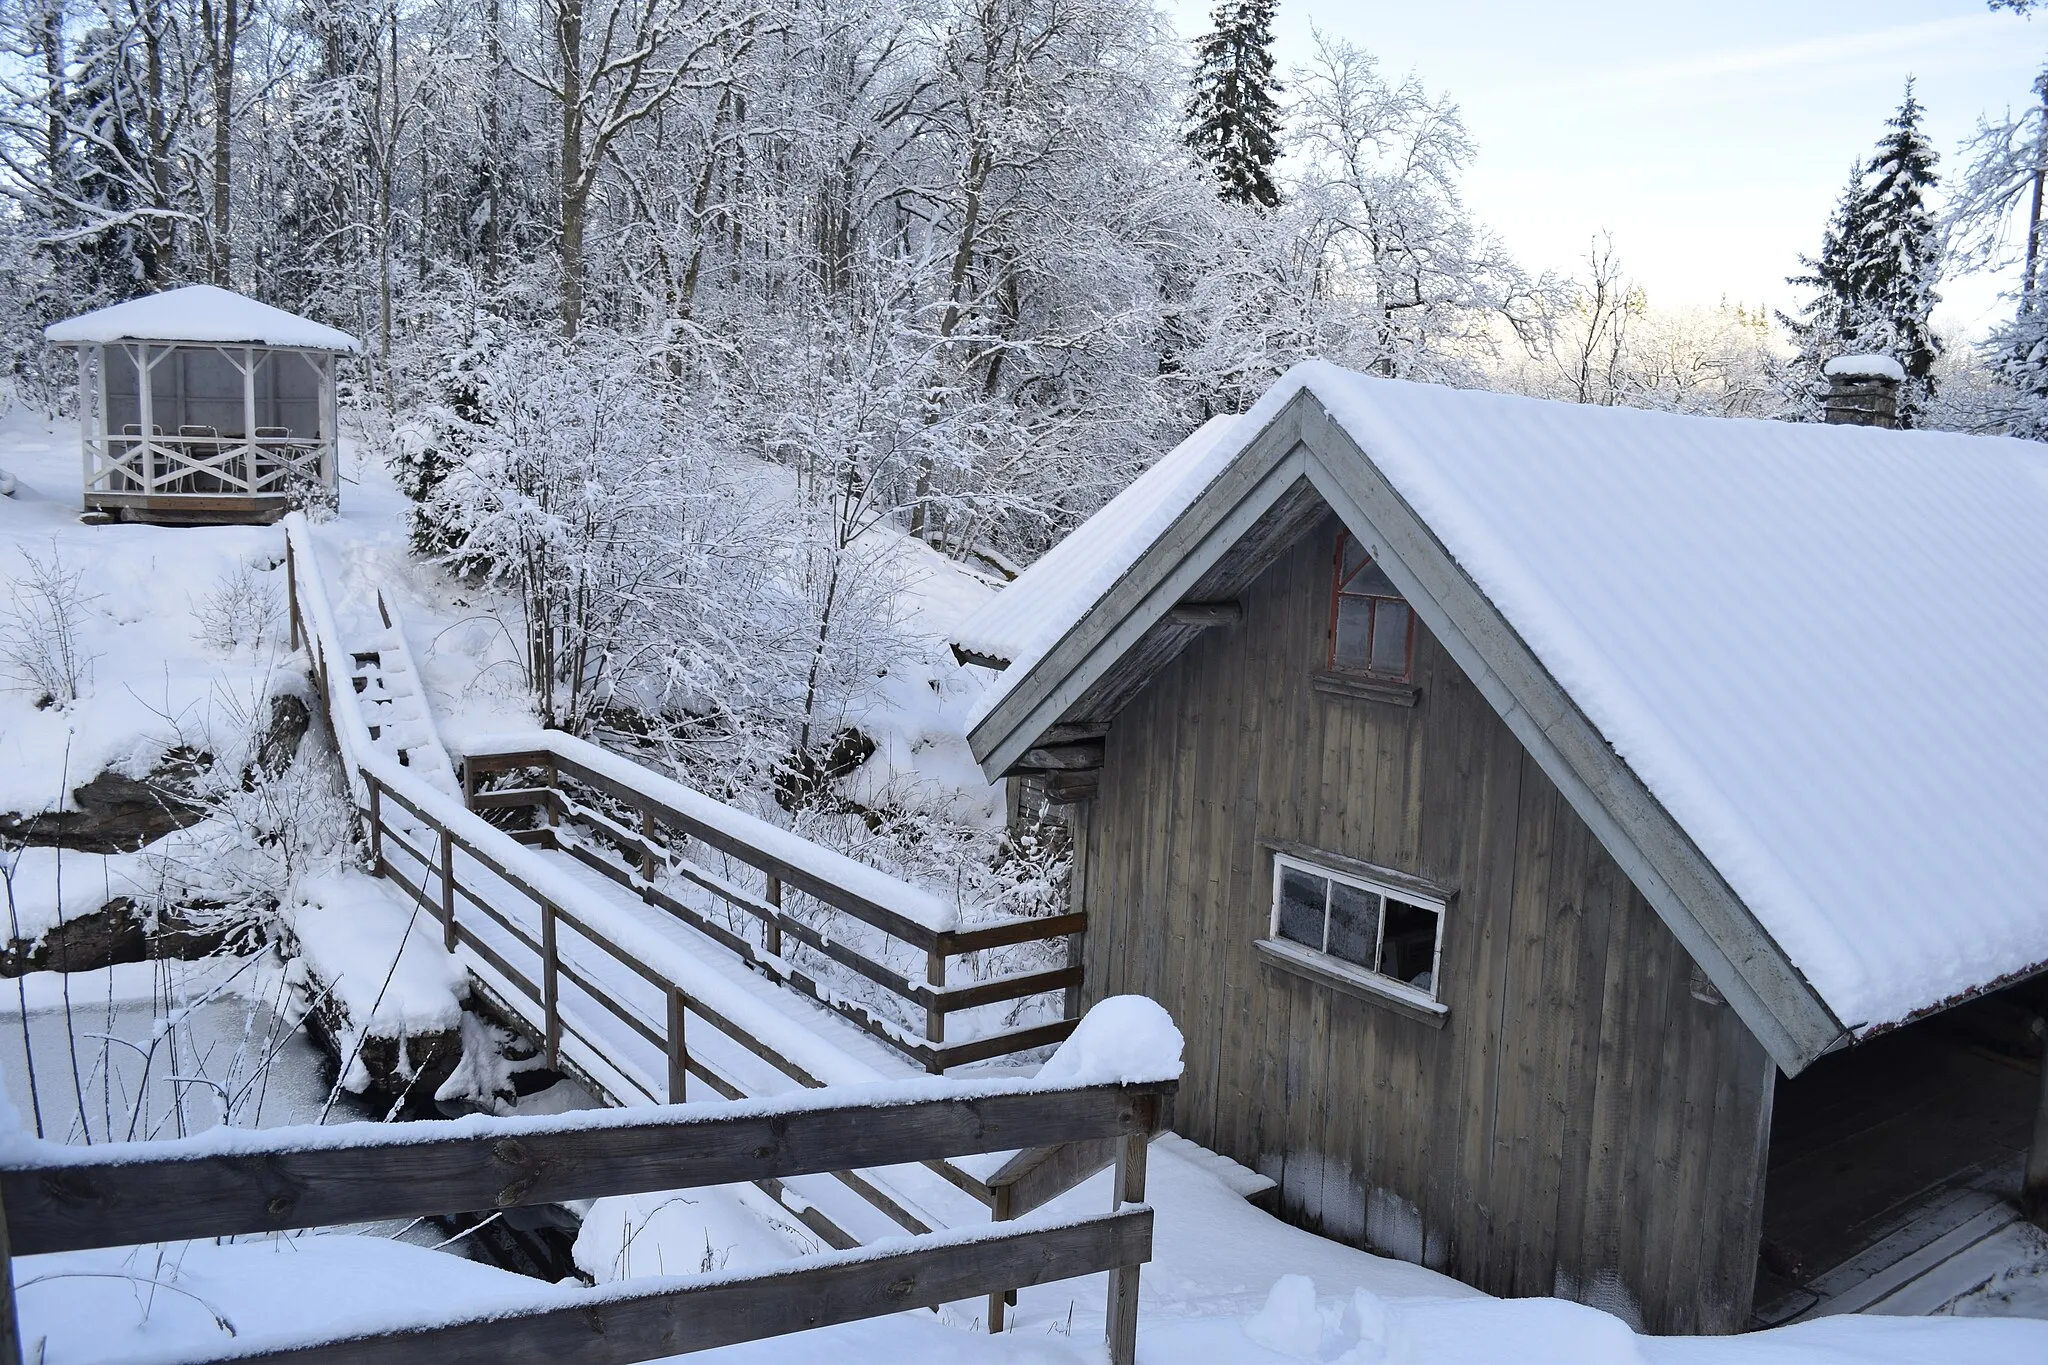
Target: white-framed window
(1392,932)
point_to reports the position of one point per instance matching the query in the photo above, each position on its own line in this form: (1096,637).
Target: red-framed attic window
(1372,629)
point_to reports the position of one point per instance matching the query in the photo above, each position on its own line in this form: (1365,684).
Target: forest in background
(956,269)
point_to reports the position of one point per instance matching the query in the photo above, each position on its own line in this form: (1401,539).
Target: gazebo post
(249,418)
(145,380)
(87,416)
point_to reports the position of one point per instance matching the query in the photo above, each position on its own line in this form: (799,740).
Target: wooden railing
(508,909)
(665,817)
(66,1199)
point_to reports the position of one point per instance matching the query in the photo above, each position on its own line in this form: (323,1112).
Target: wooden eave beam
(1082,756)
(1205,613)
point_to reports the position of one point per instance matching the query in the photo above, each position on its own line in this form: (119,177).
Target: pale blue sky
(1712,139)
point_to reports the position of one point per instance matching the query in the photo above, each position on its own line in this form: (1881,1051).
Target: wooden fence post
(376,824)
(554,787)
(291,587)
(10,1325)
(678,1050)
(550,1001)
(771,930)
(1129,1188)
(647,841)
(448,889)
(934,1017)
(998,1301)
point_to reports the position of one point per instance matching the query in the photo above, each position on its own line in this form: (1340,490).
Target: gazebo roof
(202,313)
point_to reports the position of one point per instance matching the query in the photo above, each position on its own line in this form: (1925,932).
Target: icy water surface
(162,1049)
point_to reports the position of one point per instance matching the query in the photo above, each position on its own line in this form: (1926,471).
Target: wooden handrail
(932,996)
(62,1199)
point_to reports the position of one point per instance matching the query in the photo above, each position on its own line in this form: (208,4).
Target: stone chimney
(1863,390)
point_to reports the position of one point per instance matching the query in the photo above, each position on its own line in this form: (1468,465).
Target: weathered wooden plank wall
(1582,1125)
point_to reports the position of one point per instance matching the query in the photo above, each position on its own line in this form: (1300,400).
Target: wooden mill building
(1591,852)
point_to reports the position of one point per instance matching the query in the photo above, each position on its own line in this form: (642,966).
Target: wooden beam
(1067,789)
(1032,1178)
(620,1325)
(1205,613)
(119,1195)
(1081,756)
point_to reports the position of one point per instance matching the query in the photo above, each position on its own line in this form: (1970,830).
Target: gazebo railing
(203,463)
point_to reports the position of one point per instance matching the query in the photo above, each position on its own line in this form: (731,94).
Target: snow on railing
(232,1181)
(312,622)
(825,959)
(828,866)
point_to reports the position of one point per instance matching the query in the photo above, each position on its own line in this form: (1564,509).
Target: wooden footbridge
(667,949)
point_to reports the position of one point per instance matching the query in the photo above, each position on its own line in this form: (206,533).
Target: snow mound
(1124,1040)
(1865,367)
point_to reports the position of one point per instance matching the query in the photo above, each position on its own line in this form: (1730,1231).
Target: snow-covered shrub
(40,623)
(275,815)
(243,610)
(634,564)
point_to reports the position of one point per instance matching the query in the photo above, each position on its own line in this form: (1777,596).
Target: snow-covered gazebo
(236,422)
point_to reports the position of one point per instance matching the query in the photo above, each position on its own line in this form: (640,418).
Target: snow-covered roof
(1865,367)
(200,312)
(1820,648)
(1030,615)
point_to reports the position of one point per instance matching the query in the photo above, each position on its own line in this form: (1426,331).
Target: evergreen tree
(1873,283)
(1834,321)
(1236,119)
(1897,252)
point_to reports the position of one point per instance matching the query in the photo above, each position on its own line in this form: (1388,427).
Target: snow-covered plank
(653,1318)
(67,1199)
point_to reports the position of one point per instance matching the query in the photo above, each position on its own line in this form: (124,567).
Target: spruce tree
(1873,284)
(1897,252)
(1834,321)
(1235,118)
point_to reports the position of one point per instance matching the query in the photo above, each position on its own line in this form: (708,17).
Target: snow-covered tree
(1233,113)
(1996,222)
(1872,287)
(1897,254)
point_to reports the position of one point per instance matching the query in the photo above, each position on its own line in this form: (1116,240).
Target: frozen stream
(159,1049)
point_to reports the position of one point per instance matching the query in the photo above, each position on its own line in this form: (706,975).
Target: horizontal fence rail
(651,846)
(58,1199)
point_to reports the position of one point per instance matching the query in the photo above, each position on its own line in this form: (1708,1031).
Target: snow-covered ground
(1228,1283)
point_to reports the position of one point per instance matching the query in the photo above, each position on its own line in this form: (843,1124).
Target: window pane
(1301,907)
(1354,923)
(1355,559)
(1408,950)
(1371,581)
(1354,628)
(1390,638)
